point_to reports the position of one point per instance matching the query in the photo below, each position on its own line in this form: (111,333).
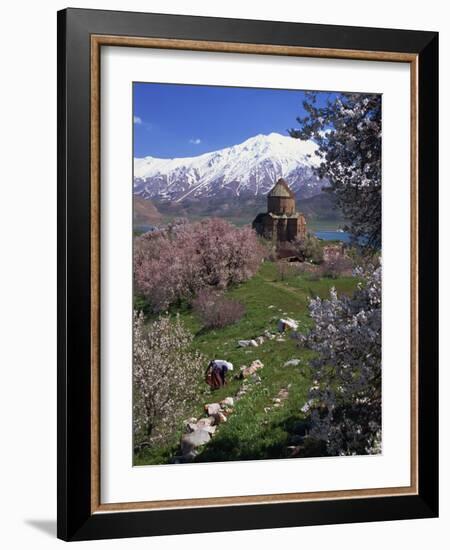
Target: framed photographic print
(247,274)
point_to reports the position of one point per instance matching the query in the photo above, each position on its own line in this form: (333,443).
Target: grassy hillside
(253,431)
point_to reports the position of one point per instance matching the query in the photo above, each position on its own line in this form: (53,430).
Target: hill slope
(239,210)
(145,213)
(253,431)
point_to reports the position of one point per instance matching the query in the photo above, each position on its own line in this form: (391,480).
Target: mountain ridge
(251,167)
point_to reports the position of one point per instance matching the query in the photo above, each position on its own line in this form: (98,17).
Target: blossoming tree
(348,133)
(345,400)
(174,264)
(166,377)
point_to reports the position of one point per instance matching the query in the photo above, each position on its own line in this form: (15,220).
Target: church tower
(281,223)
(281,200)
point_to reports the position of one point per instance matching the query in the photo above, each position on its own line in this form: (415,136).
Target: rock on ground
(227,402)
(191,441)
(205,422)
(287,323)
(208,428)
(247,343)
(212,408)
(292,363)
(221,418)
(248,371)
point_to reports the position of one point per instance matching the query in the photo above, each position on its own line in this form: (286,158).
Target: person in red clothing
(216,373)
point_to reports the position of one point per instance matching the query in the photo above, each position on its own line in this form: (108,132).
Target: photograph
(257,277)
(247,261)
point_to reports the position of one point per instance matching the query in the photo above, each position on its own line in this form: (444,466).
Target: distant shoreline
(325,232)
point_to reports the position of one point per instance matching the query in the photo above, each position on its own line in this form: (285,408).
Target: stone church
(281,223)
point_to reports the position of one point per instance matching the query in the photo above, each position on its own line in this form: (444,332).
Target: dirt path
(283,287)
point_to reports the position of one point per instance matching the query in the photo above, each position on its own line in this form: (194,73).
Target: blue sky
(178,120)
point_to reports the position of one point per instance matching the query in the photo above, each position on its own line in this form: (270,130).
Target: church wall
(281,205)
(292,229)
(301,232)
(282,229)
(289,226)
(269,228)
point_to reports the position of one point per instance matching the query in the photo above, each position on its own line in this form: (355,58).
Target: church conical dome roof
(281,189)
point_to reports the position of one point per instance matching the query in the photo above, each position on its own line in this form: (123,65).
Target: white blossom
(166,377)
(350,157)
(345,399)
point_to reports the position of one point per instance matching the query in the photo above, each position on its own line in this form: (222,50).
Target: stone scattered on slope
(206,424)
(212,408)
(278,401)
(259,340)
(255,378)
(287,324)
(199,431)
(242,391)
(227,402)
(248,371)
(191,420)
(243,343)
(199,426)
(292,363)
(283,394)
(247,343)
(221,418)
(190,442)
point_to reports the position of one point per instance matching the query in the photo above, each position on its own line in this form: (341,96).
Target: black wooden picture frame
(77,517)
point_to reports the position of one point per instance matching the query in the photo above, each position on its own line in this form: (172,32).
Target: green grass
(251,433)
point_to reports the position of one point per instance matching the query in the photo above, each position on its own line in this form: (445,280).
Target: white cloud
(137,119)
(196,141)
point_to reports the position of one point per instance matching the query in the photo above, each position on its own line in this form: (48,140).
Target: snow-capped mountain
(252,167)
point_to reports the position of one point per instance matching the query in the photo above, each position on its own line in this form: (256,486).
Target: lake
(333,236)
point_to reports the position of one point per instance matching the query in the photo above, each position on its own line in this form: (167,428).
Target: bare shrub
(269,249)
(362,257)
(216,311)
(337,266)
(308,249)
